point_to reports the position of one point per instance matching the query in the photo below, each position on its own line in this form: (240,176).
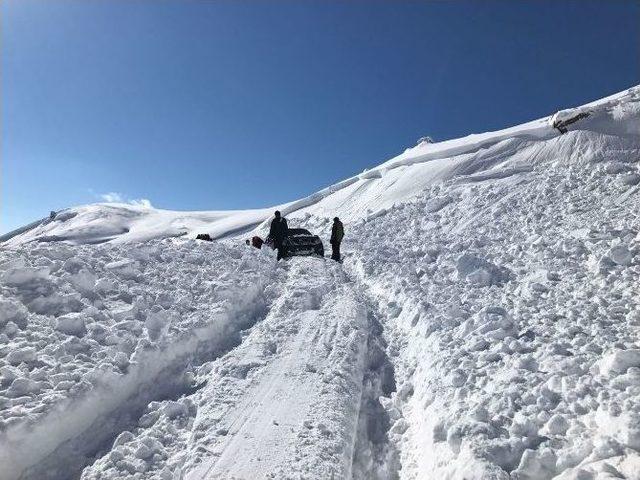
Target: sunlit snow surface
(485,324)
(487,154)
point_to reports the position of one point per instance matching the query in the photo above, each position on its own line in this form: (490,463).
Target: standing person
(278,232)
(337,233)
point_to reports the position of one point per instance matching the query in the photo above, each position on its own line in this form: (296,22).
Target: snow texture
(484,324)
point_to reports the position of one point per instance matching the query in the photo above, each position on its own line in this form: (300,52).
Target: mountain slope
(484,325)
(497,153)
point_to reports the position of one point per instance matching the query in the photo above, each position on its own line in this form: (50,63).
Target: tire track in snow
(251,415)
(375,458)
(297,410)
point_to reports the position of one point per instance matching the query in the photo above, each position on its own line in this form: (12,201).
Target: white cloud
(116,197)
(112,197)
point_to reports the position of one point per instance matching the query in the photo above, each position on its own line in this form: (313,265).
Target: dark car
(302,242)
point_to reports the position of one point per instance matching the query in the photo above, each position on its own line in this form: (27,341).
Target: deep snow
(484,324)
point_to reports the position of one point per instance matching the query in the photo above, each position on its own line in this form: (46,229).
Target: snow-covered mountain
(481,156)
(484,325)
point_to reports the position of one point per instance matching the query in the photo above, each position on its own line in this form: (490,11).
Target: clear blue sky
(220,105)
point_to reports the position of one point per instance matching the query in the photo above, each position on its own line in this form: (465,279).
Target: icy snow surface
(484,325)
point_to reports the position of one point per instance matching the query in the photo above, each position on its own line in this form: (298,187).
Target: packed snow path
(293,399)
(285,403)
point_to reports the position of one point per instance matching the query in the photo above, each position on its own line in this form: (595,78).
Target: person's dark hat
(277,214)
(336,219)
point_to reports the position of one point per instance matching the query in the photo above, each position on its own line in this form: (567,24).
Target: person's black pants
(335,251)
(280,248)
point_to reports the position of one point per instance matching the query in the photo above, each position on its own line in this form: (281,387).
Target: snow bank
(90,334)
(513,328)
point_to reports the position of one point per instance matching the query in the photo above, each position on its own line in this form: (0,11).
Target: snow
(620,361)
(483,156)
(77,365)
(509,379)
(484,324)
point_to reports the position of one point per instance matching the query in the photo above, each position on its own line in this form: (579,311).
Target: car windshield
(298,231)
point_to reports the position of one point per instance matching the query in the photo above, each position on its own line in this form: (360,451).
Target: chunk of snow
(477,270)
(21,355)
(12,311)
(23,386)
(557,425)
(72,324)
(84,280)
(24,276)
(619,361)
(620,254)
(630,179)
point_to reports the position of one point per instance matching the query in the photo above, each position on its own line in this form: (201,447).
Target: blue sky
(222,105)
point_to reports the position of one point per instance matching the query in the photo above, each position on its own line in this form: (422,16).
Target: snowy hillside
(480,156)
(485,324)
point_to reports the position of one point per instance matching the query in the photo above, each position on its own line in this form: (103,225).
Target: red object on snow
(256,242)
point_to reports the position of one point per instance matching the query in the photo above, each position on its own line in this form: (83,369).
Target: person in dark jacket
(278,232)
(337,233)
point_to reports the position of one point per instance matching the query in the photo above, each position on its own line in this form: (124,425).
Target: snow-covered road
(188,359)
(287,400)
(284,403)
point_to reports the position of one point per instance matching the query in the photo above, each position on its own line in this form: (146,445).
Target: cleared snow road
(294,409)
(284,403)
